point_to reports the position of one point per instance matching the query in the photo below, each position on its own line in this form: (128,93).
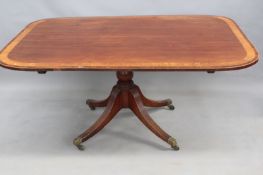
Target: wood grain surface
(130,43)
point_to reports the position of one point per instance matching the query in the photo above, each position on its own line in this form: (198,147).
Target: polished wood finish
(125,94)
(130,43)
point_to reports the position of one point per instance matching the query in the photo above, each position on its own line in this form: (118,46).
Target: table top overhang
(130,43)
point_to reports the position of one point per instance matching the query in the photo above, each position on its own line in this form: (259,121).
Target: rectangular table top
(130,43)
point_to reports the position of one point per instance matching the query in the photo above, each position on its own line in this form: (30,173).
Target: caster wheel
(176,148)
(81,147)
(171,107)
(92,108)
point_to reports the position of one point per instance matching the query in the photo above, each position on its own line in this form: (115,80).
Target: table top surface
(130,43)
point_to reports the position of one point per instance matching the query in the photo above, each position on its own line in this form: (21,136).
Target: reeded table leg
(154,103)
(136,105)
(112,108)
(97,103)
(126,95)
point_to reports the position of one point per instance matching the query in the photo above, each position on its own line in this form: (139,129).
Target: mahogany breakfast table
(127,44)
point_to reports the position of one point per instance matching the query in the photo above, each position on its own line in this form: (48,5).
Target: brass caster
(77,142)
(171,107)
(90,106)
(173,143)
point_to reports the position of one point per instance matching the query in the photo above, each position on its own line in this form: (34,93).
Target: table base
(125,94)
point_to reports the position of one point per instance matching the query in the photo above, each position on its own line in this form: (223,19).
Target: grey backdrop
(218,119)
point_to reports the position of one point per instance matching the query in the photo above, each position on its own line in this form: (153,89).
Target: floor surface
(218,123)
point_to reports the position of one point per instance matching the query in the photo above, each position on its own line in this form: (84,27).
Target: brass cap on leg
(77,142)
(173,143)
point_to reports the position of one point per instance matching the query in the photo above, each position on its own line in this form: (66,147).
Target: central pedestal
(125,94)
